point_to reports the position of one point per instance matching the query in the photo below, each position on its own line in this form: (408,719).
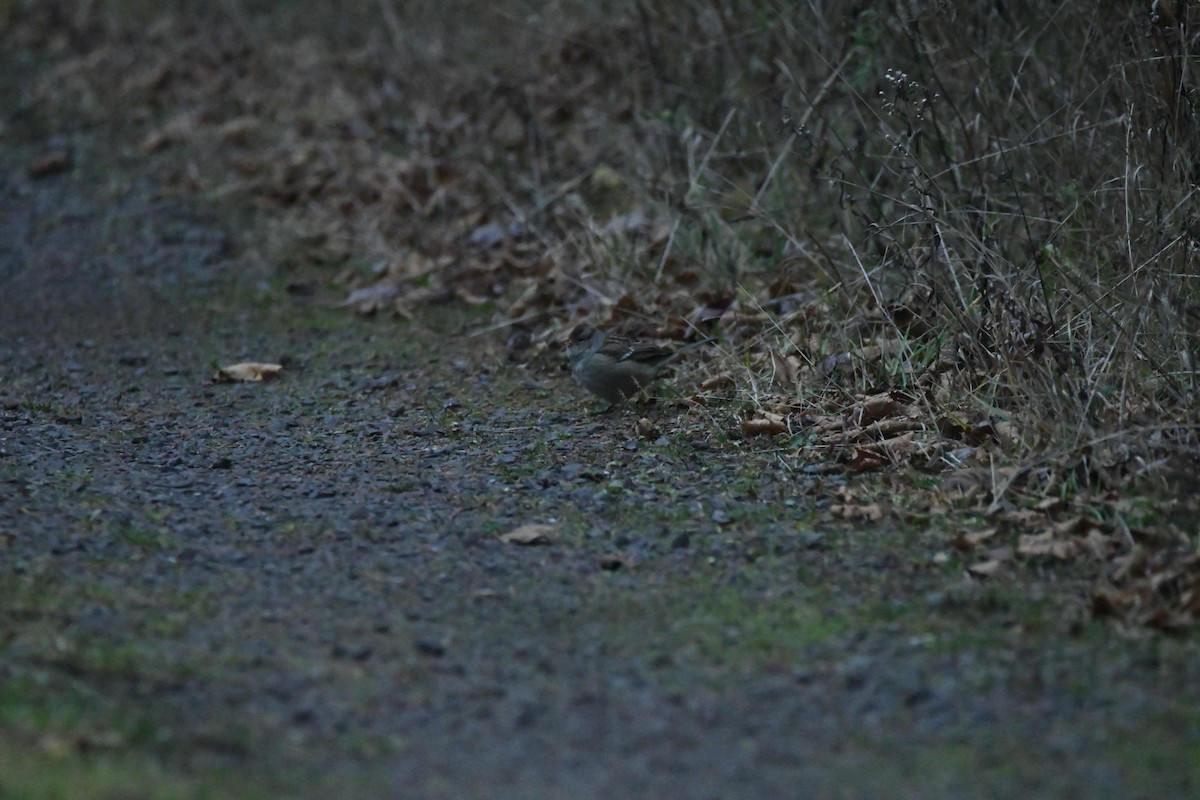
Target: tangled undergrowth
(953,239)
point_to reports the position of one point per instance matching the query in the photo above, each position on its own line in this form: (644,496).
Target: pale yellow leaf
(248,371)
(530,534)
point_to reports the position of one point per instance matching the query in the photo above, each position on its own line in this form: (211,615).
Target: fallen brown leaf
(986,568)
(994,561)
(768,424)
(973,539)
(784,371)
(865,459)
(535,533)
(372,299)
(873,408)
(718,382)
(249,371)
(872,512)
(1047,544)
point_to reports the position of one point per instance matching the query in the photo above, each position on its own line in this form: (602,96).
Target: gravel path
(302,582)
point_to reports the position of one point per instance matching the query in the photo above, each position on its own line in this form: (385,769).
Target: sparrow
(613,367)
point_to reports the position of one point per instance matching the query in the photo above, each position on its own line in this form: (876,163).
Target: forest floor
(303,587)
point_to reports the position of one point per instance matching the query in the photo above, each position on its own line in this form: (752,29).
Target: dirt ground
(299,588)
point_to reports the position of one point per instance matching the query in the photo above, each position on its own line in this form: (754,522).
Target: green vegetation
(47,770)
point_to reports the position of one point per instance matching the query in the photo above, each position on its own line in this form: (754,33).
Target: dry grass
(960,238)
